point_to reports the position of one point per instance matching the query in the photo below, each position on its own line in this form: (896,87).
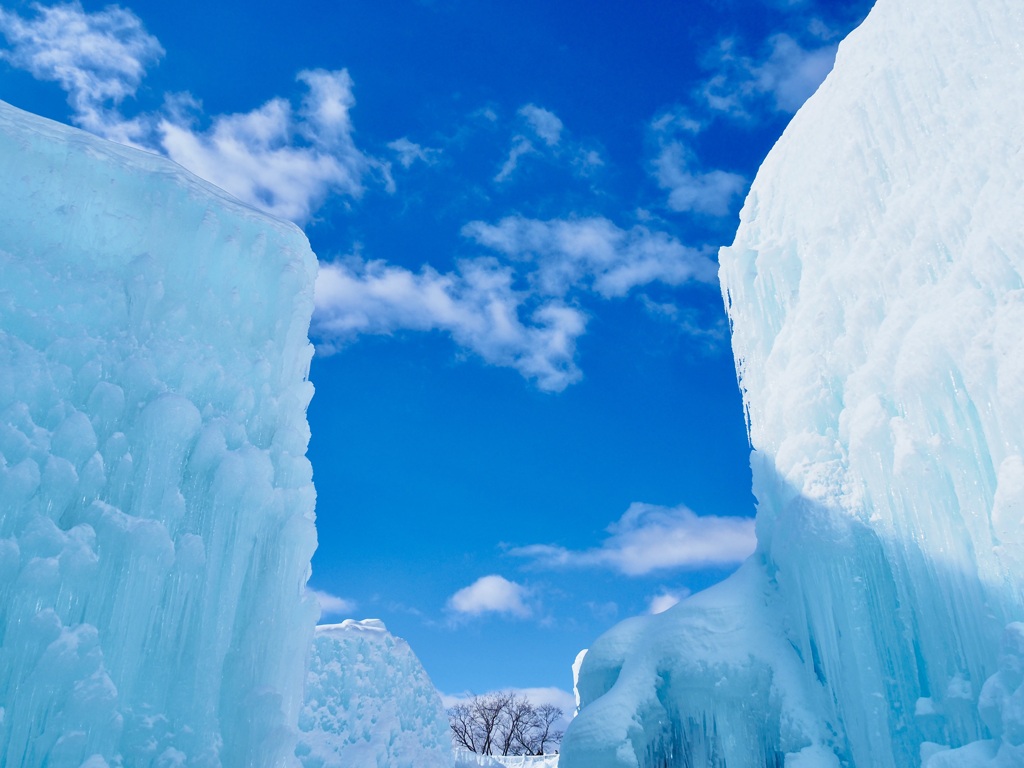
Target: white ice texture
(876,293)
(156,505)
(369,703)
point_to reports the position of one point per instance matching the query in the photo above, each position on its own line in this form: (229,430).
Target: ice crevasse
(876,294)
(156,504)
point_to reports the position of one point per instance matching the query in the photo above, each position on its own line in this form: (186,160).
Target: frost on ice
(369,703)
(156,505)
(876,292)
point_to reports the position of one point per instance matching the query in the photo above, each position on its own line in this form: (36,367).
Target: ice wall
(156,505)
(370,704)
(876,293)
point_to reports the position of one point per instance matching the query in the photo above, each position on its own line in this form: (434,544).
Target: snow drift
(876,293)
(156,505)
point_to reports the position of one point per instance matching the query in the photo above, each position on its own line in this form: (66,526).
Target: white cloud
(279,158)
(520,146)
(593,253)
(477,305)
(649,538)
(706,192)
(517,315)
(544,123)
(491,594)
(97,58)
(409,152)
(788,75)
(709,193)
(665,599)
(332,605)
(687,321)
(283,160)
(547,127)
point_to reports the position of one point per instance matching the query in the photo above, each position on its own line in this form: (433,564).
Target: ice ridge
(876,294)
(156,505)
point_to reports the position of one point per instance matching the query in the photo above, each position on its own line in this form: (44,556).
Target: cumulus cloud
(477,305)
(283,159)
(276,157)
(98,59)
(332,605)
(409,152)
(593,253)
(491,594)
(517,312)
(650,538)
(665,599)
(786,76)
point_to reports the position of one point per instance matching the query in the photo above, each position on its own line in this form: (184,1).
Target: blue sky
(527,425)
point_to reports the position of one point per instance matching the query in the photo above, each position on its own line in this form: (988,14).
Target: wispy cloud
(541,133)
(520,146)
(676,169)
(784,78)
(283,159)
(544,123)
(665,599)
(332,605)
(99,59)
(592,254)
(650,538)
(410,152)
(491,594)
(477,305)
(709,336)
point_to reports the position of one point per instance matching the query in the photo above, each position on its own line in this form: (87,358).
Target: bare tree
(504,723)
(545,717)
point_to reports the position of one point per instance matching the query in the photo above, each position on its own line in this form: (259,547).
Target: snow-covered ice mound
(876,293)
(369,703)
(156,505)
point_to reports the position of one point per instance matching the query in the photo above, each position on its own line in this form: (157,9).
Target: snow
(876,294)
(464,759)
(369,703)
(156,505)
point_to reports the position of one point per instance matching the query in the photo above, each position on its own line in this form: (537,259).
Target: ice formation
(369,703)
(156,505)
(876,293)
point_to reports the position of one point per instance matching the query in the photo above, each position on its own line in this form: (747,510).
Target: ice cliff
(369,703)
(876,293)
(156,505)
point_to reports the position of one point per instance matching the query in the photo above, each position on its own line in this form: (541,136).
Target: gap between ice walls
(156,505)
(876,294)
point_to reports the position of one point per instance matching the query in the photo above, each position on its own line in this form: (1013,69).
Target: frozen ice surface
(370,704)
(876,293)
(156,505)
